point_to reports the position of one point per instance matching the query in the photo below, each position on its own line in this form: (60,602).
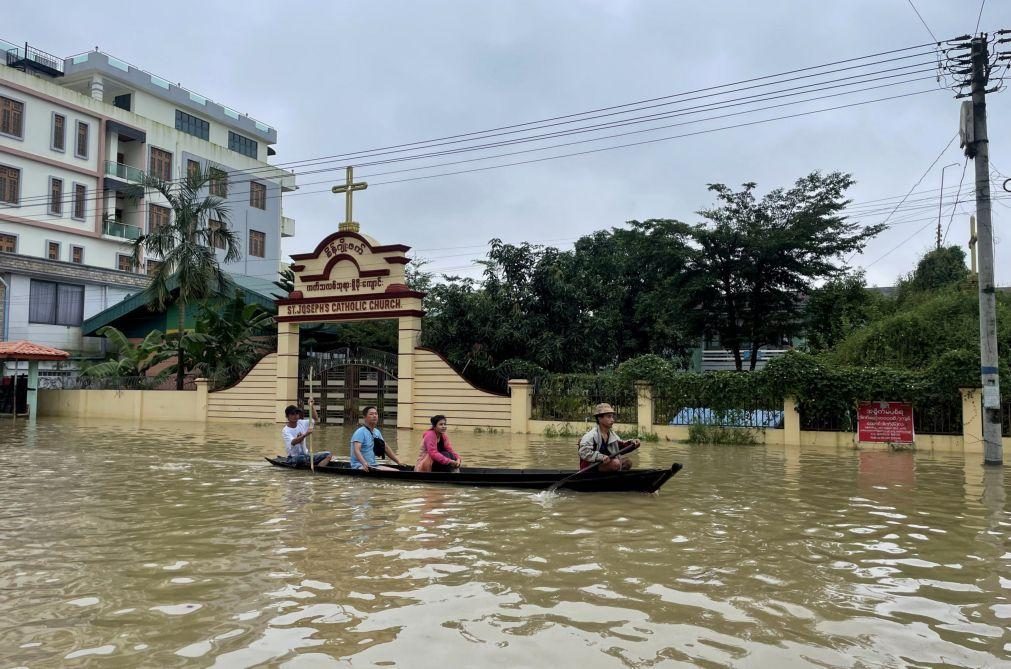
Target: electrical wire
(561,145)
(734,102)
(932,36)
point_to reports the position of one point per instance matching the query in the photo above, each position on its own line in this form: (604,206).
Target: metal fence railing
(943,419)
(814,419)
(113,383)
(572,398)
(676,409)
(938,418)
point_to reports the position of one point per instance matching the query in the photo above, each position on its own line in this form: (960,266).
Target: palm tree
(186,248)
(132,360)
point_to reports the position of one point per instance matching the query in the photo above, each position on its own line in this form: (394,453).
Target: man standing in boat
(296,431)
(367,444)
(601,444)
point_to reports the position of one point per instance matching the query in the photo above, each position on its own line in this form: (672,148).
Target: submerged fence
(114,383)
(572,397)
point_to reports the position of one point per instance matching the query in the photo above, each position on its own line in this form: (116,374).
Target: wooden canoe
(633,480)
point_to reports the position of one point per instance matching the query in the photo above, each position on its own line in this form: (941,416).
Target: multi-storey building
(77,136)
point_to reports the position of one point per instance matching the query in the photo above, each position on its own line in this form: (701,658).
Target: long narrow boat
(633,480)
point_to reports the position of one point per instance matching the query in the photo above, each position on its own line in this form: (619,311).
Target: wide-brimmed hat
(603,408)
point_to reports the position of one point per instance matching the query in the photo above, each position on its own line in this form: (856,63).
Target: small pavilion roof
(26,350)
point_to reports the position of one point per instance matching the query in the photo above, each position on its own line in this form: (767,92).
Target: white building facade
(77,136)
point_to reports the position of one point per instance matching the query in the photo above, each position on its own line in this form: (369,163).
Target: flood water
(165,545)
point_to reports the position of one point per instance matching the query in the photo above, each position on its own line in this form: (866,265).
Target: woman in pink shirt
(436,447)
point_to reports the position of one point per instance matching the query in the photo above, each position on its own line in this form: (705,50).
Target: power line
(934,37)
(918,181)
(979,17)
(573,143)
(639,103)
(708,107)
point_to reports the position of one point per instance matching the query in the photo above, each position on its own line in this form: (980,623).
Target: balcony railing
(30,58)
(124,172)
(122,230)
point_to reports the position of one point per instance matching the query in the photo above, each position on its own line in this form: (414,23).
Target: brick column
(520,399)
(287,368)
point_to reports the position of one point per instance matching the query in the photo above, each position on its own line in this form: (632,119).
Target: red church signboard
(350,277)
(885,422)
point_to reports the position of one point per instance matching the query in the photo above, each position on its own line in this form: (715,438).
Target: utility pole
(972,245)
(993,450)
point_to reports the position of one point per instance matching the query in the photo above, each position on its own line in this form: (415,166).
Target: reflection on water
(177,545)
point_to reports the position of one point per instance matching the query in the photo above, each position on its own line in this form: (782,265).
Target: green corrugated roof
(254,290)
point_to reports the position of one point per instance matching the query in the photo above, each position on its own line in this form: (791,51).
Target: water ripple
(201,554)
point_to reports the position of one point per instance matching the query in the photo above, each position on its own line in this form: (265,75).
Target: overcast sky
(335,77)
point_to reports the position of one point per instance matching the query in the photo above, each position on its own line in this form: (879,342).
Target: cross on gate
(348,189)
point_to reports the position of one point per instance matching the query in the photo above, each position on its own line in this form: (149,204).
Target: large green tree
(186,247)
(754,259)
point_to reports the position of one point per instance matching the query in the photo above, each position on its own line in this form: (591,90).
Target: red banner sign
(887,422)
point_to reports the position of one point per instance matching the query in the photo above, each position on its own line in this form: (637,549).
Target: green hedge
(821,388)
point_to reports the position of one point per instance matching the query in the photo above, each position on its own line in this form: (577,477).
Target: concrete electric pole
(993,450)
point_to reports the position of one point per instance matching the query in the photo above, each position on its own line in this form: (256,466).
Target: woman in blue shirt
(367,444)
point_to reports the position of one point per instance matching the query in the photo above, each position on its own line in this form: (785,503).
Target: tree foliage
(228,339)
(127,359)
(756,258)
(838,308)
(936,270)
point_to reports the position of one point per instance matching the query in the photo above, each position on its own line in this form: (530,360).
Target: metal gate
(345,381)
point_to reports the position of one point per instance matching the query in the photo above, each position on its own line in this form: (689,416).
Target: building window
(219,182)
(243,145)
(124,263)
(80,198)
(192,168)
(157,217)
(122,101)
(55,196)
(8,243)
(77,255)
(192,125)
(53,250)
(12,117)
(161,164)
(257,244)
(257,195)
(153,265)
(81,150)
(55,303)
(59,132)
(10,184)
(214,226)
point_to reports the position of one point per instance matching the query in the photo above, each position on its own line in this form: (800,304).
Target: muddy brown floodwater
(169,544)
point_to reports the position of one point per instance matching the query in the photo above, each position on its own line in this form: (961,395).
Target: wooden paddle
(308,441)
(558,484)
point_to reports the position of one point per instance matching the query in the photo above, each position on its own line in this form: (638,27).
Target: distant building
(77,135)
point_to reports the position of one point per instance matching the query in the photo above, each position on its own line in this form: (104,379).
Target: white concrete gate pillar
(410,330)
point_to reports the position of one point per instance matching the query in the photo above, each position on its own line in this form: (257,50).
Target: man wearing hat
(602,445)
